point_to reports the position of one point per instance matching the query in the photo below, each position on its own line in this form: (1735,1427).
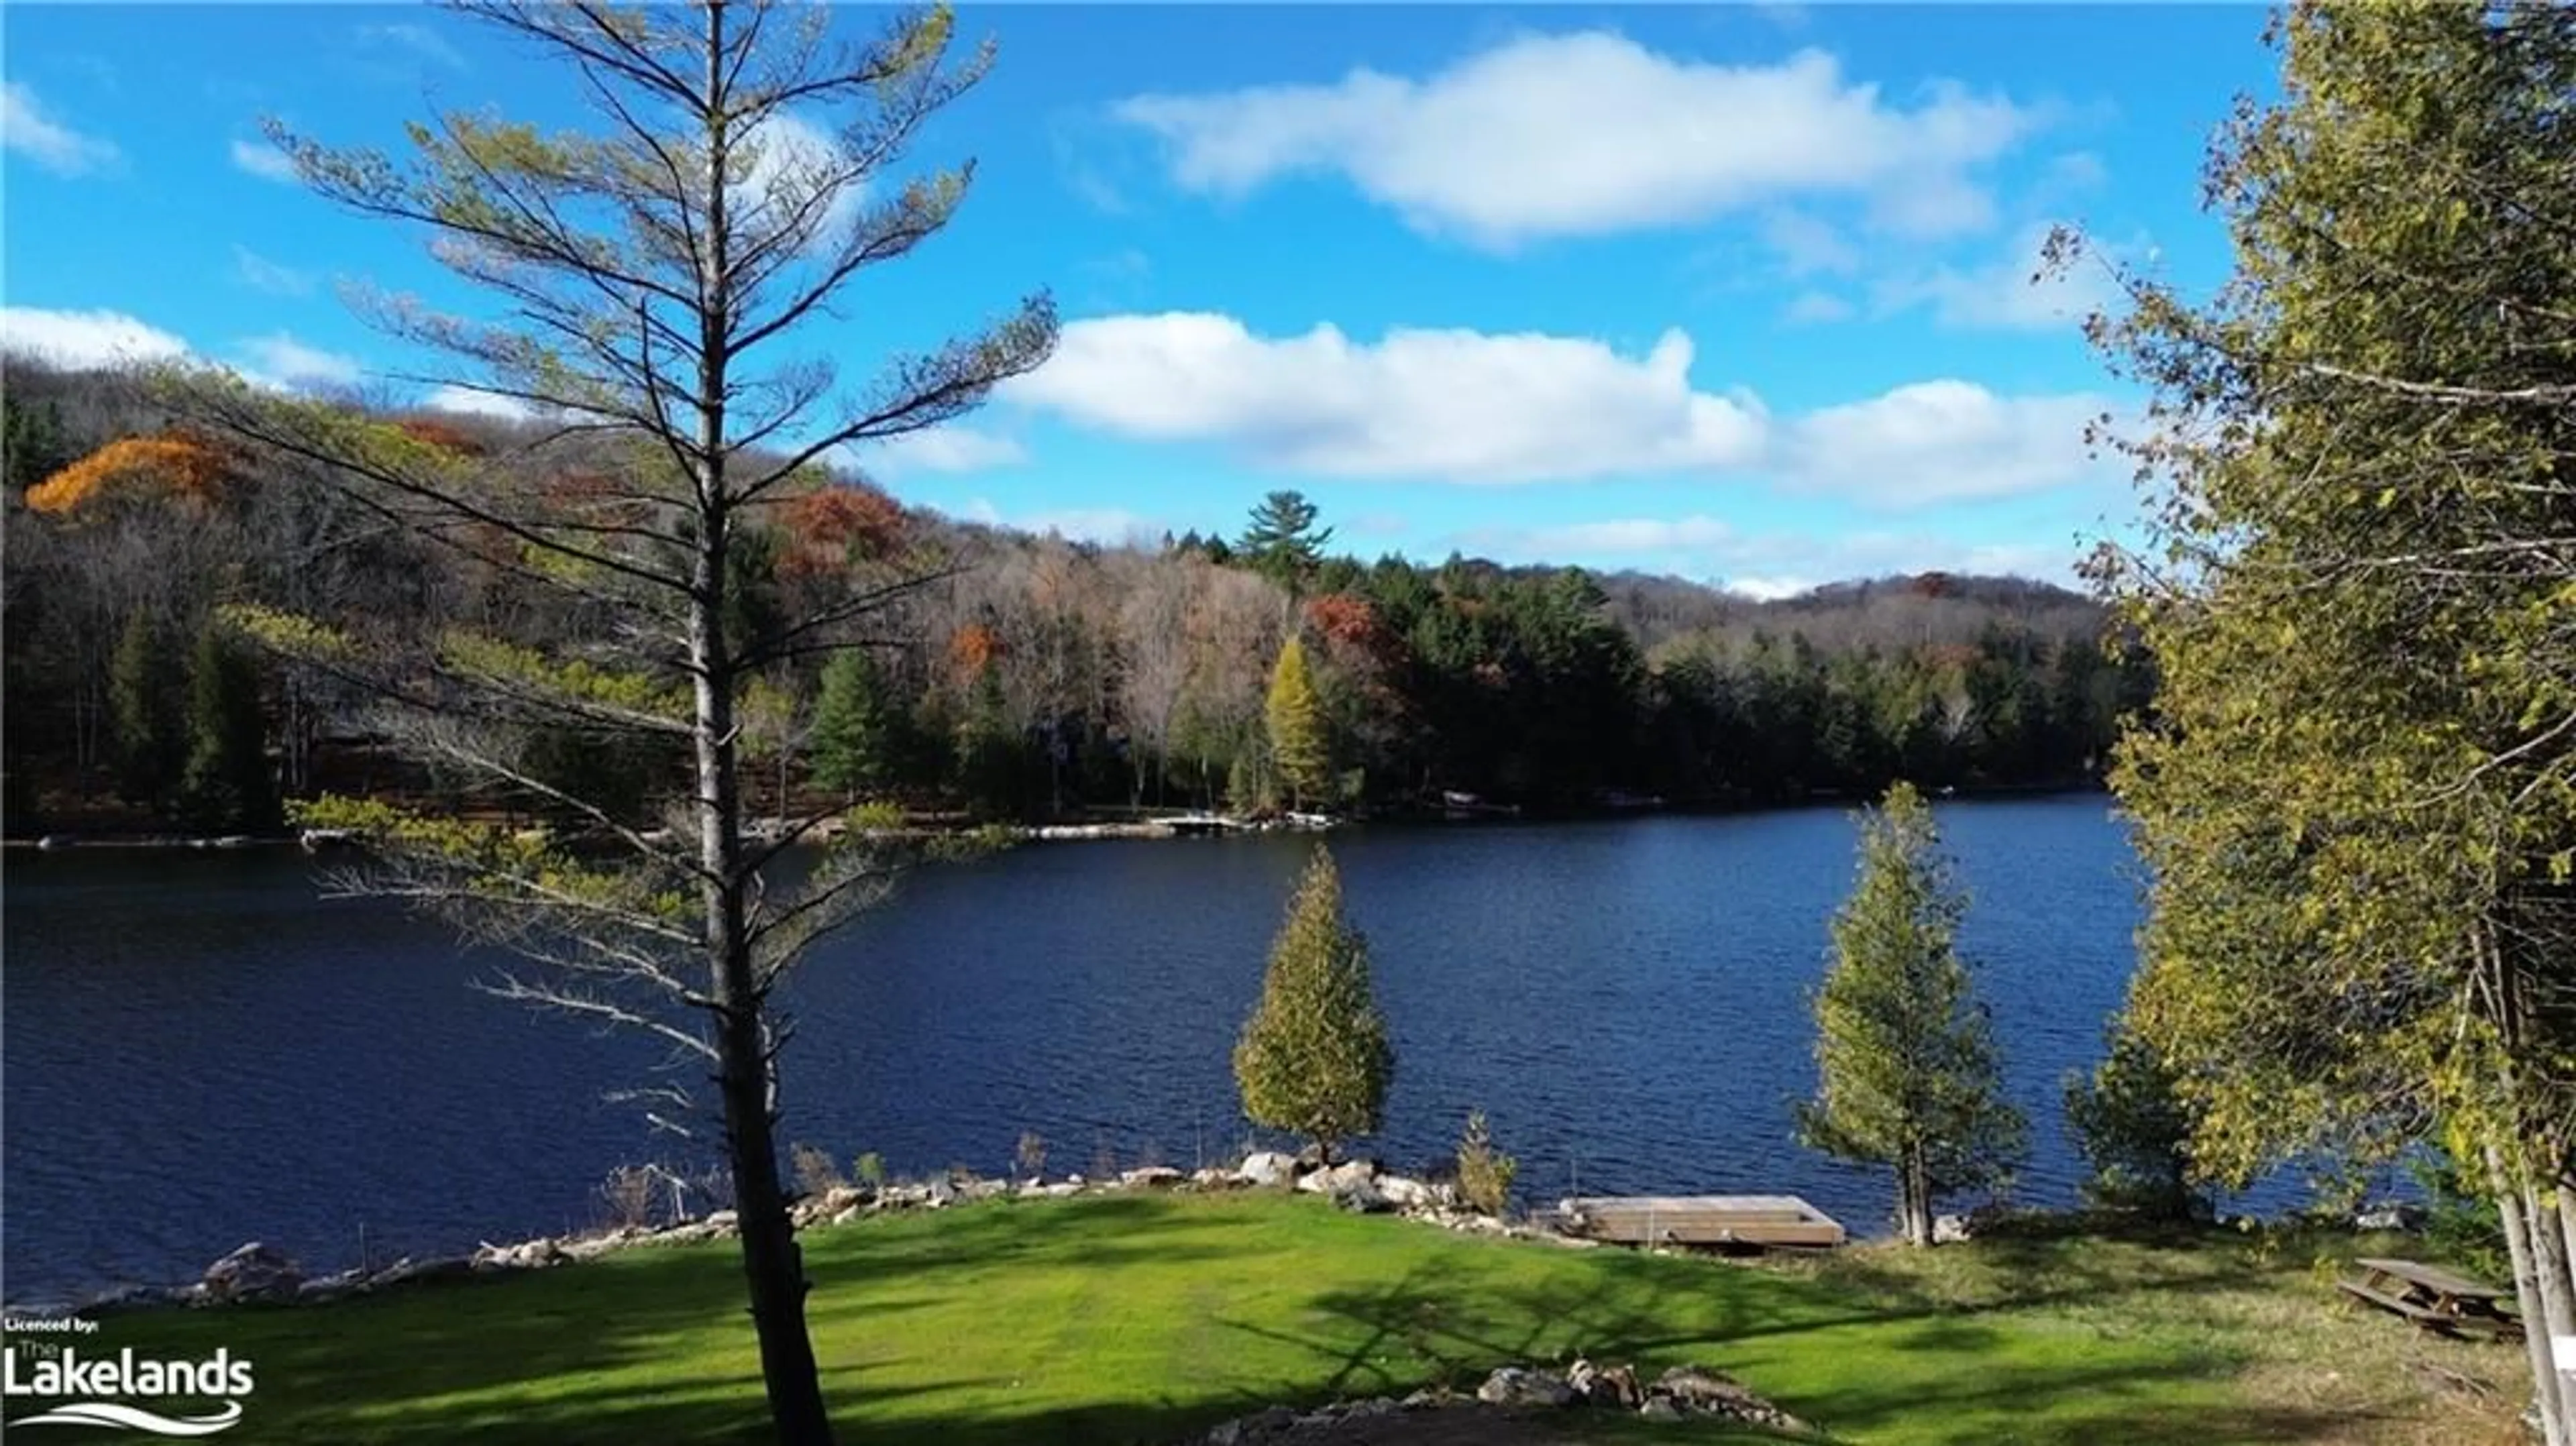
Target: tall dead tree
(640,268)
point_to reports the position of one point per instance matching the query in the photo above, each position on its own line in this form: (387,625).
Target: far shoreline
(1154,828)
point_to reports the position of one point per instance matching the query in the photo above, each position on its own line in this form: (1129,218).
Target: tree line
(1030,676)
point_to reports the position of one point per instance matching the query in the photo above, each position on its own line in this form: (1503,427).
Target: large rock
(1514,1386)
(1267,1167)
(1709,1393)
(1612,1386)
(1408,1194)
(254,1272)
(1151,1177)
(1350,1175)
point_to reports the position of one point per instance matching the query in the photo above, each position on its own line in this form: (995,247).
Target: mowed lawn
(1146,1318)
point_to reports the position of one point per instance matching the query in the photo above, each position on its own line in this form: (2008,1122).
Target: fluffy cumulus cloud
(1442,405)
(280,359)
(789,152)
(939,449)
(1942,441)
(81,339)
(1477,408)
(28,128)
(1591,133)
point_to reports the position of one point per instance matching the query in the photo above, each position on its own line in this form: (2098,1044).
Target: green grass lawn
(1144,1318)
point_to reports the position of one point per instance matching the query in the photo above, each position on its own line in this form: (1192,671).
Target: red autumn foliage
(1933,584)
(832,526)
(187,463)
(1343,619)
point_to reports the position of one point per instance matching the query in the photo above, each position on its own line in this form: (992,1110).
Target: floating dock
(1764,1221)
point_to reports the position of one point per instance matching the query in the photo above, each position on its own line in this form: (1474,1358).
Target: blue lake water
(198,1050)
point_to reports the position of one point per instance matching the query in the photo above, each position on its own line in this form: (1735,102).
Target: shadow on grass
(924,1327)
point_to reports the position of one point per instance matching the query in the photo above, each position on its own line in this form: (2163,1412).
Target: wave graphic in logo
(135,1418)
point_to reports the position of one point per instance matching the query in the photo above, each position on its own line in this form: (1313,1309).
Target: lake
(199,1051)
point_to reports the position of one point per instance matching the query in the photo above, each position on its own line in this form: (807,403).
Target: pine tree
(1296,717)
(853,728)
(1907,1070)
(143,689)
(226,784)
(1281,541)
(1314,1059)
(987,760)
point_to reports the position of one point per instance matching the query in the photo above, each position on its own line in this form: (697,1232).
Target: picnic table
(2432,1297)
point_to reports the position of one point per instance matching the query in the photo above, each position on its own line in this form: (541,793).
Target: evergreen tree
(1281,541)
(1314,1059)
(31,440)
(987,754)
(1907,1074)
(2134,1131)
(853,727)
(143,695)
(1296,718)
(226,784)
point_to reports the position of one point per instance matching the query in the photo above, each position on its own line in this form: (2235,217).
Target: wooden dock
(1765,1221)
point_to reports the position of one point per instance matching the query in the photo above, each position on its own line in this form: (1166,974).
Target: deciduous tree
(652,266)
(2358,802)
(1298,748)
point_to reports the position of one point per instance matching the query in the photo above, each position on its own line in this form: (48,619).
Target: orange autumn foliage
(972,647)
(188,464)
(828,528)
(441,435)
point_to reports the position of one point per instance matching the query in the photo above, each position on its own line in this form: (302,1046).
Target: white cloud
(25,127)
(1807,245)
(1447,405)
(1105,525)
(789,153)
(419,39)
(263,160)
(1634,534)
(1816,307)
(1769,589)
(262,274)
(940,449)
(291,362)
(1768,564)
(2015,292)
(1591,133)
(82,339)
(1477,408)
(465,401)
(1942,441)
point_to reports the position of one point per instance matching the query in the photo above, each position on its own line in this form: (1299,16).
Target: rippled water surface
(199,1051)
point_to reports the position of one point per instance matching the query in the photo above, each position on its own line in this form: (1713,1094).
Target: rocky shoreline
(260,1274)
(1523,1393)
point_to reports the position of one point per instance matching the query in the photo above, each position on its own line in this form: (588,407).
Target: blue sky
(1734,292)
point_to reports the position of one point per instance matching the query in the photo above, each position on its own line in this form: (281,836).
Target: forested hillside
(1006,674)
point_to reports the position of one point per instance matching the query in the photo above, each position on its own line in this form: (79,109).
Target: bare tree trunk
(771,1259)
(2521,1232)
(1913,1191)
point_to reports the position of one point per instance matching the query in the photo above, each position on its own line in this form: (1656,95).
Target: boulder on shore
(254,1272)
(1267,1167)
